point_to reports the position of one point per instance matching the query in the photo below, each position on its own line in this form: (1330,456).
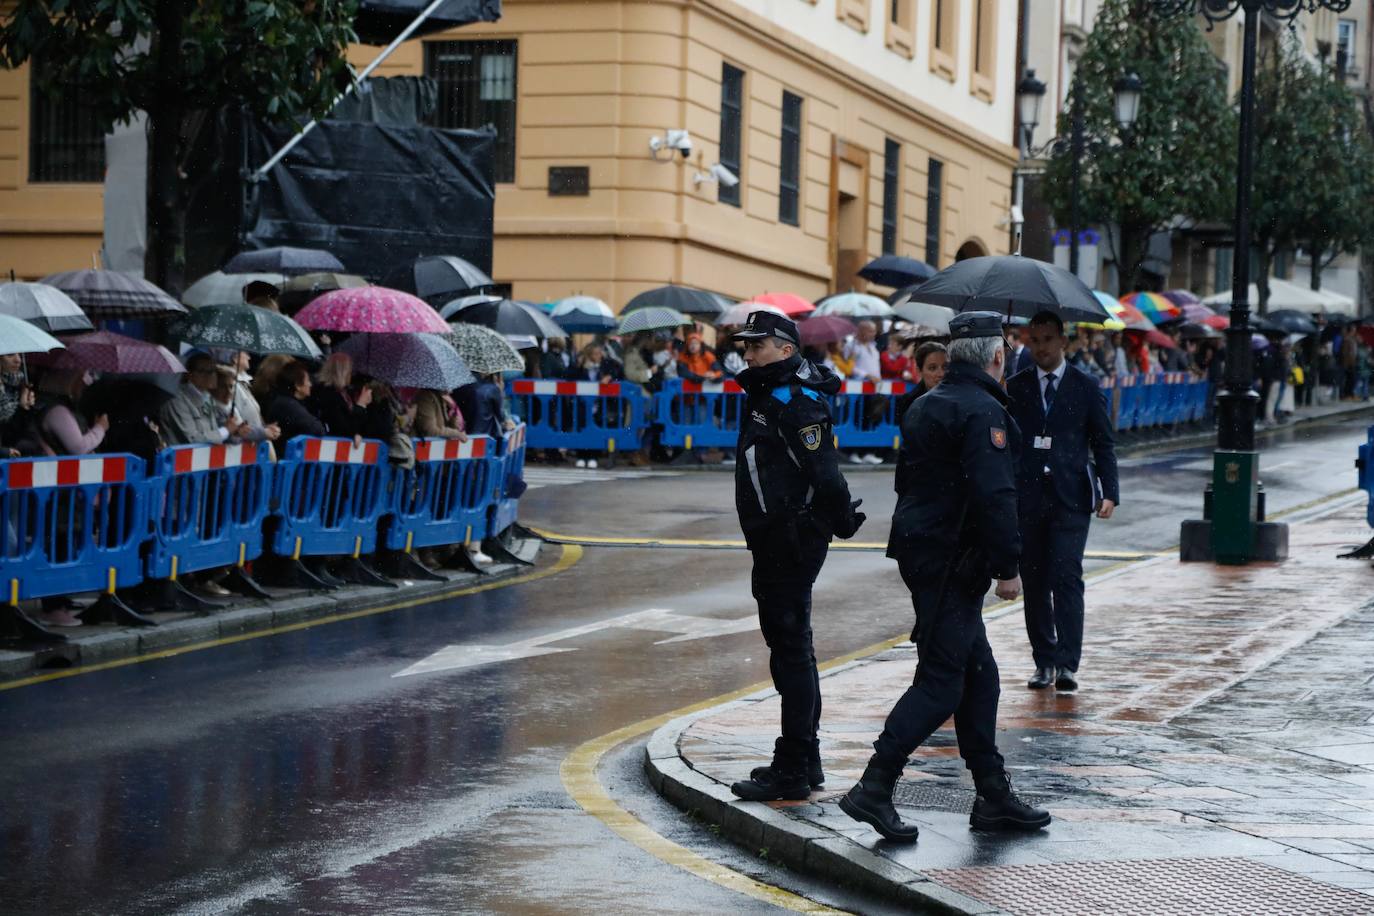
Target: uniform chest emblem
(999,437)
(759,418)
(811,436)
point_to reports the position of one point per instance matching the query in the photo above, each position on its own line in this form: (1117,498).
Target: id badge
(1043,443)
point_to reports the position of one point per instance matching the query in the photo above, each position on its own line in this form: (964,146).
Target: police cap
(764,323)
(966,325)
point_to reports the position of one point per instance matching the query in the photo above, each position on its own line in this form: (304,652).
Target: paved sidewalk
(1218,759)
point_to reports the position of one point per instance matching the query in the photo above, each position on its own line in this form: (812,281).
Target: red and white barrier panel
(336,451)
(583,389)
(873,388)
(450,449)
(66,472)
(726,387)
(213,457)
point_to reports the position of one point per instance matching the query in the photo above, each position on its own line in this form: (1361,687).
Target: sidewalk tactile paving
(1152,887)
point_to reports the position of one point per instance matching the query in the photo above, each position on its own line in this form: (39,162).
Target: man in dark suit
(1067,471)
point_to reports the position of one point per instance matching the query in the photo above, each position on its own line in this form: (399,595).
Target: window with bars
(892,187)
(477,87)
(66,144)
(789,181)
(731,130)
(934,185)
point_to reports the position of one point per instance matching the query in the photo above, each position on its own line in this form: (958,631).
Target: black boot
(772,784)
(815,774)
(870,801)
(998,808)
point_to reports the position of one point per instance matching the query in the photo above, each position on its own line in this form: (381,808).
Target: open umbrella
(790,304)
(115,354)
(1197,313)
(853,305)
(651,319)
(1192,331)
(1011,285)
(43,306)
(244,327)
(464,301)
(738,315)
(1181,297)
(111,294)
(1158,338)
(291,262)
(220,288)
(896,271)
(1154,306)
(584,315)
(409,360)
(373,309)
(438,278)
(1292,321)
(824,329)
(923,313)
(296,292)
(19,336)
(483,350)
(508,317)
(683,299)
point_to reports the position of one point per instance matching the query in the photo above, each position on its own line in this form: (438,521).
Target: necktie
(1049,392)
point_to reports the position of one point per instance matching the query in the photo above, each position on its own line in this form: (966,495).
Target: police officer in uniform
(953,532)
(791,498)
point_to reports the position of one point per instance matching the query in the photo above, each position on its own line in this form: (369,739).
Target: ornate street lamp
(1233,533)
(1029,94)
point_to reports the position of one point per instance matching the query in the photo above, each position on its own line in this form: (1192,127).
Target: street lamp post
(1234,534)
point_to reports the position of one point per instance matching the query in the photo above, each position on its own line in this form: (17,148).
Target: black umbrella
(378,22)
(1292,321)
(684,299)
(896,271)
(509,318)
(111,294)
(438,278)
(1014,286)
(1191,331)
(289,262)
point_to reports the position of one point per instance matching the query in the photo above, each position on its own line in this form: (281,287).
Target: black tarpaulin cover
(379,21)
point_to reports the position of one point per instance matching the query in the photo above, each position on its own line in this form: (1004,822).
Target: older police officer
(791,497)
(953,532)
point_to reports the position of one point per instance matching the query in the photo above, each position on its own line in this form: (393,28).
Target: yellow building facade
(857,126)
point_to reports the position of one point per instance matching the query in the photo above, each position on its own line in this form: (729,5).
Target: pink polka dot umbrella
(372,310)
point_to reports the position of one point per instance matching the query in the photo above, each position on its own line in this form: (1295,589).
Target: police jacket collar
(969,374)
(791,371)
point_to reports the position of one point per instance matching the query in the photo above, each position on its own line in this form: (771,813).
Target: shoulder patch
(999,437)
(812,436)
(783,393)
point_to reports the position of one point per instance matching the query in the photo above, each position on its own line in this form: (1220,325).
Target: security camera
(679,140)
(718,174)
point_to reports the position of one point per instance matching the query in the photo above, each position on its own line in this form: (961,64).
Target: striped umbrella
(653,318)
(1154,306)
(43,306)
(111,294)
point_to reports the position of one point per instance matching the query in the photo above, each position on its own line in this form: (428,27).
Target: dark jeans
(956,674)
(782,580)
(1053,537)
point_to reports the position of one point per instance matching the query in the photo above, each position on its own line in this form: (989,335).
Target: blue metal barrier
(699,414)
(71,525)
(866,415)
(510,470)
(1128,404)
(580,415)
(444,498)
(330,495)
(207,509)
(1365,464)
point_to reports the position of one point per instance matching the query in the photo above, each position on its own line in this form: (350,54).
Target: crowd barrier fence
(585,416)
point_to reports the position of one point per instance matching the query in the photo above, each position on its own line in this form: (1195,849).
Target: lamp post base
(1195,542)
(1232,531)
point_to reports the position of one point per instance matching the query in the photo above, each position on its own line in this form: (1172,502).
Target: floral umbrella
(409,360)
(220,288)
(43,306)
(790,304)
(371,309)
(245,327)
(485,351)
(111,294)
(115,354)
(1154,306)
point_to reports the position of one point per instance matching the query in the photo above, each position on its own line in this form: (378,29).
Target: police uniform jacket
(958,459)
(785,462)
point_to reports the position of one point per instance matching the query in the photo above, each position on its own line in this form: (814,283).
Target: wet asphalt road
(295,774)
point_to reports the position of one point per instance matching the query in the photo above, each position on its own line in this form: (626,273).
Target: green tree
(1177,162)
(177,60)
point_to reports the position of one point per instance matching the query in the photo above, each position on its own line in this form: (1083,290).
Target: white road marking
(536,477)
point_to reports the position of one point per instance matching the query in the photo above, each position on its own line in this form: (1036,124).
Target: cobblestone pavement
(1218,758)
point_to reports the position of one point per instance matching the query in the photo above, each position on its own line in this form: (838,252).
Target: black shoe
(815,776)
(1067,680)
(1042,678)
(768,784)
(870,802)
(998,808)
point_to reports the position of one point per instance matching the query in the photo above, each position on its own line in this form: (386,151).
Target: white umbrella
(738,315)
(1284,294)
(220,288)
(854,305)
(18,336)
(932,316)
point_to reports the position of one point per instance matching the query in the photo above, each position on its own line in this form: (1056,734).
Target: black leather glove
(852,522)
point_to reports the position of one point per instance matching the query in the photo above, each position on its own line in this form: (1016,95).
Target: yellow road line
(570,555)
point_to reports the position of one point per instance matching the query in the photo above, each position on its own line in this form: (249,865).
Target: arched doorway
(970,249)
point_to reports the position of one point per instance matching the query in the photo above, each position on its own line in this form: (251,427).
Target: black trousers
(1053,537)
(956,674)
(782,579)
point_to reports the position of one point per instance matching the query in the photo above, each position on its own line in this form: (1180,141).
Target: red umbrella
(371,309)
(113,354)
(789,304)
(824,329)
(1158,338)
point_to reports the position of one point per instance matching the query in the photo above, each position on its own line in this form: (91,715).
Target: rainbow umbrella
(1154,306)
(1131,318)
(1197,313)
(1112,306)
